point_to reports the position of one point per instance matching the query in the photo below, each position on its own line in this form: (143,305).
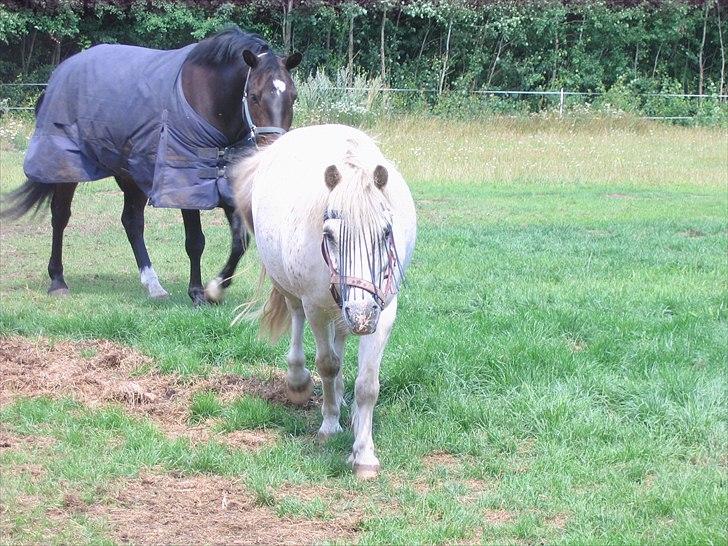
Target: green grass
(562,335)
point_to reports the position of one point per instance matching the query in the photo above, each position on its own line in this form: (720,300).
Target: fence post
(561,103)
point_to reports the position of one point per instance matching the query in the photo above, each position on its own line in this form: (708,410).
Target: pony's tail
(29,196)
(274,318)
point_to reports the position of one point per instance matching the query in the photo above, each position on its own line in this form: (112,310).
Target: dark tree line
(581,45)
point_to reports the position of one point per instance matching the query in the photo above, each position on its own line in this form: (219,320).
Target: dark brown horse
(223,94)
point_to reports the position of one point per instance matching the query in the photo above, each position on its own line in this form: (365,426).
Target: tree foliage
(459,45)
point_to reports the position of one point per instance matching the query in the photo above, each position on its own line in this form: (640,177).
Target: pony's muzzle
(361,316)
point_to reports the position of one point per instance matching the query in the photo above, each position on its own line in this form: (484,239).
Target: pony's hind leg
(299,384)
(215,289)
(328,363)
(60,214)
(132,218)
(371,348)
(195,246)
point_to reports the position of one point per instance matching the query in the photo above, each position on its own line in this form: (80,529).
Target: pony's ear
(380,177)
(250,59)
(332,176)
(292,61)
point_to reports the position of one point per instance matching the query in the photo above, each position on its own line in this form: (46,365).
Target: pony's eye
(254,98)
(329,236)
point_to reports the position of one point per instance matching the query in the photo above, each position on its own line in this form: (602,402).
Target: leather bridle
(336,280)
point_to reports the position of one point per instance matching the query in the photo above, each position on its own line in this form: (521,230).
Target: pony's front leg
(328,364)
(299,384)
(371,348)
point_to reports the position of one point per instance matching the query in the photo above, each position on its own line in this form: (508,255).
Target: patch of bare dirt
(498,516)
(207,510)
(12,440)
(692,233)
(98,372)
(558,521)
(440,459)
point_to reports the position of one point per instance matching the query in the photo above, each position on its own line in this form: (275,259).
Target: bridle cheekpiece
(336,280)
(255,131)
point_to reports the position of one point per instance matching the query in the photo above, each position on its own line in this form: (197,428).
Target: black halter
(254,131)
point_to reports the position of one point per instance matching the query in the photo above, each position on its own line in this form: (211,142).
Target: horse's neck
(216,94)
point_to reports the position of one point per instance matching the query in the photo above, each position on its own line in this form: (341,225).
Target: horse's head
(358,247)
(269,93)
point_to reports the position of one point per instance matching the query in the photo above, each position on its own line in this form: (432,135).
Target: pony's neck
(216,93)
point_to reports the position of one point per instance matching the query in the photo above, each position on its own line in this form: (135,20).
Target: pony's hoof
(62,291)
(300,396)
(214,291)
(323,436)
(366,471)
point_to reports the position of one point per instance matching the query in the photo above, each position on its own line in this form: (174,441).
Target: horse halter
(337,280)
(254,129)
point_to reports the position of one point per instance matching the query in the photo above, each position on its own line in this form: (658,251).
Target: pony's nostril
(347,312)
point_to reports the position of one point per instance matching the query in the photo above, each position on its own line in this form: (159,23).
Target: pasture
(556,372)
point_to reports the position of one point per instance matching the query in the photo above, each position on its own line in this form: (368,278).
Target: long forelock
(358,202)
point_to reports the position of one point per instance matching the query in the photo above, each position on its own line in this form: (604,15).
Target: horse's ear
(332,176)
(292,61)
(380,177)
(250,59)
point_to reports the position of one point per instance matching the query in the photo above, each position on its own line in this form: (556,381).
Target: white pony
(335,227)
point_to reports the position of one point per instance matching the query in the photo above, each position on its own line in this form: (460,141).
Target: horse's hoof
(198,298)
(63,291)
(159,295)
(366,471)
(300,396)
(214,291)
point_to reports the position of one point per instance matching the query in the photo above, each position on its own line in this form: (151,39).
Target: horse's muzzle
(361,317)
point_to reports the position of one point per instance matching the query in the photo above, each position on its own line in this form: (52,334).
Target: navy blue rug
(119,110)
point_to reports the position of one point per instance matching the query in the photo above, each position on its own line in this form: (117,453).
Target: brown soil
(691,233)
(12,440)
(498,516)
(97,373)
(207,510)
(440,459)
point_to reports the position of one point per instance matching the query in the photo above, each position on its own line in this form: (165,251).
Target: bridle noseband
(255,131)
(336,280)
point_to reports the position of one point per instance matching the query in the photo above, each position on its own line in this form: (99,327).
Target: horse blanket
(117,110)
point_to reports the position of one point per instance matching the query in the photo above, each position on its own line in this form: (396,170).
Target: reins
(337,280)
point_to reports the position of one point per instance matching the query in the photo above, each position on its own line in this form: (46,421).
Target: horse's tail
(274,318)
(29,196)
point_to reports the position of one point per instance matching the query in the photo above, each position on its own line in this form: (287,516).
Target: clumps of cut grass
(251,412)
(204,405)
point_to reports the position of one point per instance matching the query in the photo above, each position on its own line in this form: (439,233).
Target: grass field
(557,371)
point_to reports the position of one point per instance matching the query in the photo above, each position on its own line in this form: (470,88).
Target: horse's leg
(214,291)
(60,214)
(132,218)
(299,384)
(371,347)
(194,245)
(328,364)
